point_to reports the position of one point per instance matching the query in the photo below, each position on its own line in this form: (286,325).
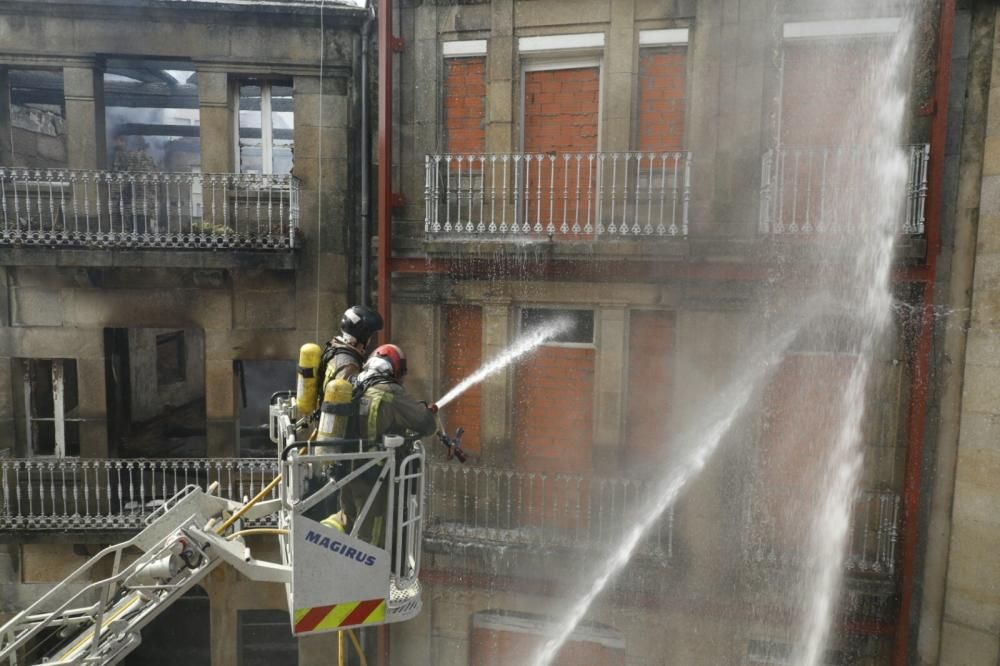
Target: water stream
(876,122)
(705,434)
(852,266)
(523,346)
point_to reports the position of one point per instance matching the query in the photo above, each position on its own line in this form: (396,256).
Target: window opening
(153,115)
(36,134)
(171,358)
(581,332)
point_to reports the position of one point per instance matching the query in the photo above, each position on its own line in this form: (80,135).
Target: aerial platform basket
(338,580)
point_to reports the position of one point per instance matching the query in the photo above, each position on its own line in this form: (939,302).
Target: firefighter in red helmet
(384,408)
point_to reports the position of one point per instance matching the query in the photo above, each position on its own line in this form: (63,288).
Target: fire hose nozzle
(453,444)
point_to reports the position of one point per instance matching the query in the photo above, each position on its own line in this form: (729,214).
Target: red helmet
(392,355)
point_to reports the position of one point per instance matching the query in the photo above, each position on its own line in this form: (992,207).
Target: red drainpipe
(385,49)
(386,44)
(922,352)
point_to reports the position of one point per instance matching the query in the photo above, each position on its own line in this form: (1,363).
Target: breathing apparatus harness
(343,344)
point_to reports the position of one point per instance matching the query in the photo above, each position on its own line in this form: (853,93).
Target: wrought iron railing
(564,196)
(468,504)
(535,510)
(815,190)
(89,208)
(107,494)
(771,540)
(465,504)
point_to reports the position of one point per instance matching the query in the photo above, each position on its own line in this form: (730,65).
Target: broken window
(265,125)
(51,407)
(152,115)
(171,358)
(34,124)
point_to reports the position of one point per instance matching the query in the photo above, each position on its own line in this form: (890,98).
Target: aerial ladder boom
(333,579)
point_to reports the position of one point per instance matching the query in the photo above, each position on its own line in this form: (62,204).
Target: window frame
(58,418)
(560,308)
(553,62)
(266,85)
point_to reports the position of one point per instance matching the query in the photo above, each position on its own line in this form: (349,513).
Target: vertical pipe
(384,208)
(922,352)
(366,181)
(385,164)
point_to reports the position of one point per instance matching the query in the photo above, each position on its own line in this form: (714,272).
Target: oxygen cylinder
(335,410)
(306,388)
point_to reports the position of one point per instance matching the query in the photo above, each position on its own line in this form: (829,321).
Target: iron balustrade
(874,535)
(90,208)
(112,494)
(490,507)
(558,196)
(538,510)
(468,504)
(819,190)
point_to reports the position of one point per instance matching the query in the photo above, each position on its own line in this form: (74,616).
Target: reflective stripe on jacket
(388,409)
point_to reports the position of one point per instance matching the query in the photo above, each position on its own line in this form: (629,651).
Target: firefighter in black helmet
(345,354)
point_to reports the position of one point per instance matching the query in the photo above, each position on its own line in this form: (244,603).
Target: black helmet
(361,322)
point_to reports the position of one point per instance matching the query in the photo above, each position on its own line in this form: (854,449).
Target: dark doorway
(156,392)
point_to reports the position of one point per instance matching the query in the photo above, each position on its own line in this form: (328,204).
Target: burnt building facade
(179,199)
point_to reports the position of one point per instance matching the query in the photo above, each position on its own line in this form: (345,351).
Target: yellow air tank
(335,410)
(307,387)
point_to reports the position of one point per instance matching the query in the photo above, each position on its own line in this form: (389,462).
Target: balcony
(813,191)
(595,197)
(775,540)
(535,511)
(472,505)
(114,494)
(147,210)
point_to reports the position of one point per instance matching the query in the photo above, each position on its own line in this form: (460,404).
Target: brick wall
(463,354)
(561,115)
(650,386)
(465,105)
(553,405)
(662,89)
(561,110)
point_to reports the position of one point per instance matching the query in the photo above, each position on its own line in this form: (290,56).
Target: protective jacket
(386,408)
(340,360)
